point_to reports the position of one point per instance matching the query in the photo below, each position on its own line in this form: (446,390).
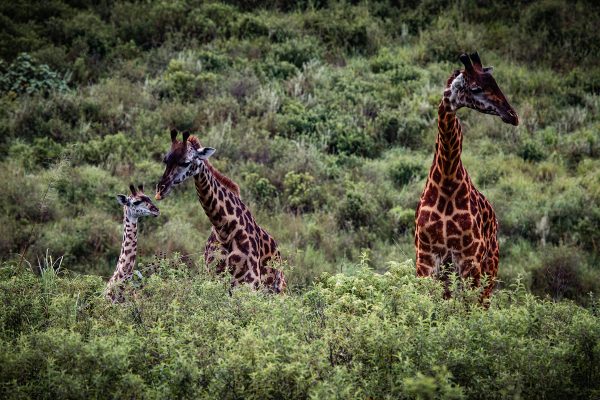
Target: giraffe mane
(219,176)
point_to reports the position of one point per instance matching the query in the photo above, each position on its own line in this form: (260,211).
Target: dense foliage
(350,336)
(324,113)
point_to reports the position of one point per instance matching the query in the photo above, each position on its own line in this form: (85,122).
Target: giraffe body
(237,243)
(134,206)
(455,224)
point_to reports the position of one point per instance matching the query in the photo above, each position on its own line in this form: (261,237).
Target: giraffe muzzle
(510,117)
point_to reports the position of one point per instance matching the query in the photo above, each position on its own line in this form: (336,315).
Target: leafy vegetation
(325,113)
(350,335)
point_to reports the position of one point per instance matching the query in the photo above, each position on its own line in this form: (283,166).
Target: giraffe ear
(122,199)
(173,135)
(205,152)
(489,70)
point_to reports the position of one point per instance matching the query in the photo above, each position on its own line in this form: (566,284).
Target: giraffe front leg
(425,264)
(490,269)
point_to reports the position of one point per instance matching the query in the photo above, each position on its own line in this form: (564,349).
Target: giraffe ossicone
(135,206)
(237,243)
(455,225)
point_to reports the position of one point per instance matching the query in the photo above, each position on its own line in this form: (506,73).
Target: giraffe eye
(184,164)
(137,203)
(476,89)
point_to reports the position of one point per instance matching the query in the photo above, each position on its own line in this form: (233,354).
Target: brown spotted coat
(456,227)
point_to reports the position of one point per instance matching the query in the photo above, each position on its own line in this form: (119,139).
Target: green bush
(300,191)
(366,335)
(24,76)
(403,172)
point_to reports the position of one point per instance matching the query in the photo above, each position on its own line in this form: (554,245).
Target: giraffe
(236,242)
(455,223)
(135,206)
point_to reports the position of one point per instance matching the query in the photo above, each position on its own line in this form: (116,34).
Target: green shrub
(531,151)
(300,192)
(261,189)
(562,275)
(356,210)
(403,172)
(24,76)
(366,335)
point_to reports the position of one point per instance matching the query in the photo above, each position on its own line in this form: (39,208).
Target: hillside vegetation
(325,114)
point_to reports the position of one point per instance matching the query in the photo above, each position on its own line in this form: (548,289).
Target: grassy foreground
(365,335)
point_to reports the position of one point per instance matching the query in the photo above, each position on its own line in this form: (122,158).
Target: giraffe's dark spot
(238,212)
(449,208)
(448,186)
(423,217)
(240,236)
(231,227)
(229,207)
(441,204)
(467,240)
(461,202)
(424,247)
(462,190)
(243,246)
(452,229)
(431,195)
(437,175)
(423,237)
(425,258)
(463,220)
(454,243)
(220,195)
(470,251)
(435,231)
(239,273)
(235,258)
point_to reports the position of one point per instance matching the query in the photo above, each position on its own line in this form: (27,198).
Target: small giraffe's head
(137,204)
(475,87)
(181,162)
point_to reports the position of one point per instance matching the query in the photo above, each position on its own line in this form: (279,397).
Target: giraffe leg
(490,264)
(490,269)
(425,264)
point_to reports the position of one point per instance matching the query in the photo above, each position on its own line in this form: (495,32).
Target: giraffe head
(137,204)
(475,87)
(182,161)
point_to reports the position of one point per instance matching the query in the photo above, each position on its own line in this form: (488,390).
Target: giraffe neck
(449,139)
(223,208)
(128,249)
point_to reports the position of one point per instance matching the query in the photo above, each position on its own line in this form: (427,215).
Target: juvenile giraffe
(135,206)
(455,223)
(236,241)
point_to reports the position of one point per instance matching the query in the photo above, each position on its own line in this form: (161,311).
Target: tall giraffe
(135,206)
(455,223)
(236,241)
